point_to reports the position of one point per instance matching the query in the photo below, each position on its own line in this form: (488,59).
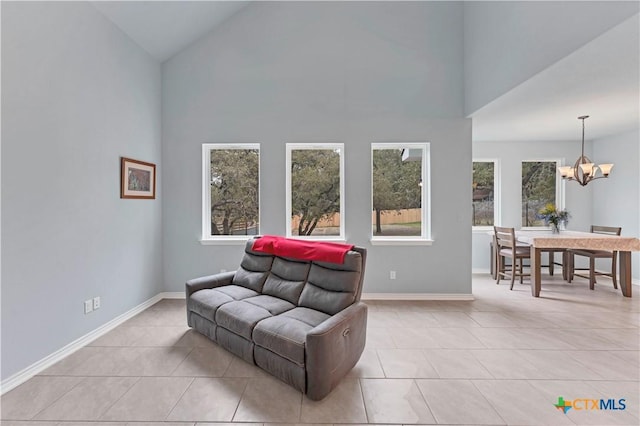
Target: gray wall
(302,72)
(578,200)
(616,200)
(507,42)
(76,95)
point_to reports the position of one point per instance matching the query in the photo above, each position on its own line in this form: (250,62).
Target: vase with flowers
(554,217)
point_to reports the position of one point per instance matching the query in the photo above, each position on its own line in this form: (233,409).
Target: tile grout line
(488,402)
(186,389)
(424,398)
(114,402)
(224,374)
(384,372)
(58,399)
(244,390)
(364,402)
(301,402)
(118,400)
(181,362)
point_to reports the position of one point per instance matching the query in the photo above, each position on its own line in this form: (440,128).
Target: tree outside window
(398,191)
(483,193)
(538,189)
(232,200)
(315,190)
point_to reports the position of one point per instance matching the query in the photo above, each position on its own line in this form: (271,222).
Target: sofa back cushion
(331,287)
(286,279)
(323,286)
(254,269)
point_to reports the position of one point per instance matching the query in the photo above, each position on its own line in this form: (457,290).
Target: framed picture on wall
(137,179)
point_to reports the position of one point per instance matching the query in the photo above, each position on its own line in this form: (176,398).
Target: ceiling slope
(163,28)
(601,79)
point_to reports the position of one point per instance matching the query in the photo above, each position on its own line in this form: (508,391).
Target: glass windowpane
(234,185)
(538,189)
(397,192)
(483,193)
(315,192)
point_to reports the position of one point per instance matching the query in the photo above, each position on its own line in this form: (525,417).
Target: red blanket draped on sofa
(299,249)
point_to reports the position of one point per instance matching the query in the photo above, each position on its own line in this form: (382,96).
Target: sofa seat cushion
(285,334)
(206,302)
(241,316)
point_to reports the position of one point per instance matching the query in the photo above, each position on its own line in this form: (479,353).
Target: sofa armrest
(333,348)
(210,281)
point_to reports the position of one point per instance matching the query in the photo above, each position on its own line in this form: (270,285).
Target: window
(400,192)
(231,191)
(540,186)
(315,190)
(485,192)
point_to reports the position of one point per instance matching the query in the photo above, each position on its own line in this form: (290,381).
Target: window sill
(400,242)
(225,241)
(243,240)
(481,229)
(335,239)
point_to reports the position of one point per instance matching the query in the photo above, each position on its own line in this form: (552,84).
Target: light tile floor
(504,358)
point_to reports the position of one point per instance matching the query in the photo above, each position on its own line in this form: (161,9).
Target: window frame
(497,192)
(314,146)
(206,238)
(560,189)
(425,237)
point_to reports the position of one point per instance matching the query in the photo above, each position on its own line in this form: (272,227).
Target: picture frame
(137,179)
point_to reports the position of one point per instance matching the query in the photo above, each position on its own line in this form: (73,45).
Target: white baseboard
(372,296)
(417,296)
(46,362)
(173,295)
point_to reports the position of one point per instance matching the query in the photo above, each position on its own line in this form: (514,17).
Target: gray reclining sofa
(301,321)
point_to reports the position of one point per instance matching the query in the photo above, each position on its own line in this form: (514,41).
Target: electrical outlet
(88,306)
(392,275)
(223,270)
(96,303)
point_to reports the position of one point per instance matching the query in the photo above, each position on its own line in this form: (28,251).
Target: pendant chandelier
(584,170)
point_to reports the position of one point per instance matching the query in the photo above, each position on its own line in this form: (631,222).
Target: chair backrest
(609,230)
(505,237)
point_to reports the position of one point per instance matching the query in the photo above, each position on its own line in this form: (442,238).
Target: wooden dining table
(545,240)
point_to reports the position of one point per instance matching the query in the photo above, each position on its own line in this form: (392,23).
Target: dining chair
(507,247)
(592,255)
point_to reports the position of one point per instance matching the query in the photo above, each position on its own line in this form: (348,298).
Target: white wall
(508,42)
(76,95)
(616,200)
(578,199)
(330,72)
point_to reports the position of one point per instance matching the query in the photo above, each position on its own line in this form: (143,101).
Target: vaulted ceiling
(164,28)
(601,79)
